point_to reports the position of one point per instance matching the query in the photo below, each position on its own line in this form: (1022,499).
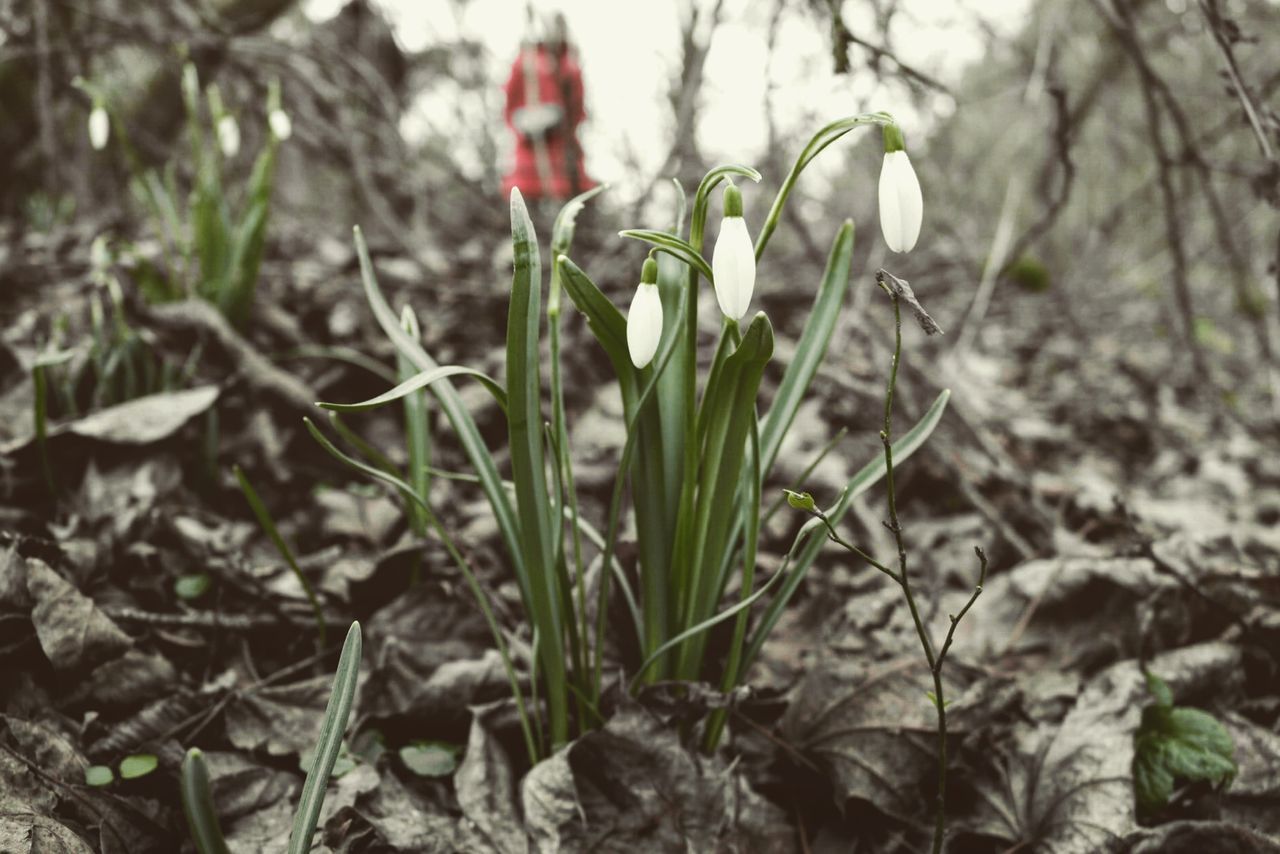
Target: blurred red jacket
(544,109)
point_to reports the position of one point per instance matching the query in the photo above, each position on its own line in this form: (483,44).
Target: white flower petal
(901,202)
(644,324)
(733,263)
(281,124)
(99,128)
(228,136)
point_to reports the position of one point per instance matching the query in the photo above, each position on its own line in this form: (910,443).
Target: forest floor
(1131,525)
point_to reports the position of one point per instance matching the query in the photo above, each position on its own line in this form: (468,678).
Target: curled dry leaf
(71,630)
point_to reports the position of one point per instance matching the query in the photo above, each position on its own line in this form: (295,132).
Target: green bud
(409,323)
(893,138)
(732,201)
(649,272)
(801,501)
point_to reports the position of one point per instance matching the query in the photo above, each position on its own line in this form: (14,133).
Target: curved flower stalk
(644,320)
(733,262)
(901,203)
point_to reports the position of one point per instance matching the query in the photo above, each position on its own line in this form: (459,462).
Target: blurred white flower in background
(228,136)
(281,125)
(99,128)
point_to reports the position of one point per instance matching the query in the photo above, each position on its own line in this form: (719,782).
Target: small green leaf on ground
(430,758)
(98,775)
(369,745)
(137,765)
(190,587)
(1176,743)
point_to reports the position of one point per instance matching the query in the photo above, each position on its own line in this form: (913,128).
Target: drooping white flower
(228,136)
(901,204)
(733,261)
(280,124)
(99,128)
(644,319)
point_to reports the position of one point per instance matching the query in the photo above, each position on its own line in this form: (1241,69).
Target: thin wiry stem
(903,579)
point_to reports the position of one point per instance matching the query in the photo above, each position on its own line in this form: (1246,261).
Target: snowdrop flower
(733,262)
(228,136)
(901,205)
(99,127)
(280,123)
(644,320)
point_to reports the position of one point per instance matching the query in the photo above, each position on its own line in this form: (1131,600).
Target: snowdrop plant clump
(699,449)
(213,232)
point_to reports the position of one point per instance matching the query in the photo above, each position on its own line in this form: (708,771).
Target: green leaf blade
(528,465)
(329,744)
(419,381)
(197,804)
(1177,743)
(811,349)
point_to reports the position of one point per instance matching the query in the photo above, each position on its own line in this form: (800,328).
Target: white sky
(630,50)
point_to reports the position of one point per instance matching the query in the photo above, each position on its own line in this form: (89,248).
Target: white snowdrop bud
(99,127)
(280,123)
(901,204)
(644,320)
(228,136)
(733,262)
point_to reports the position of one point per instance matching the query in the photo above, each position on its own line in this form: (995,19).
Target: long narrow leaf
(706,625)
(269,528)
(463,425)
(804,365)
(673,245)
(730,410)
(417,433)
(528,468)
(603,318)
(811,349)
(327,746)
(419,381)
(481,599)
(197,803)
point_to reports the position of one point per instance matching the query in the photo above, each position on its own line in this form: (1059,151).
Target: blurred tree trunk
(685,160)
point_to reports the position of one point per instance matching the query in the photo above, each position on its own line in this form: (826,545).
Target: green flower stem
(564,464)
(824,137)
